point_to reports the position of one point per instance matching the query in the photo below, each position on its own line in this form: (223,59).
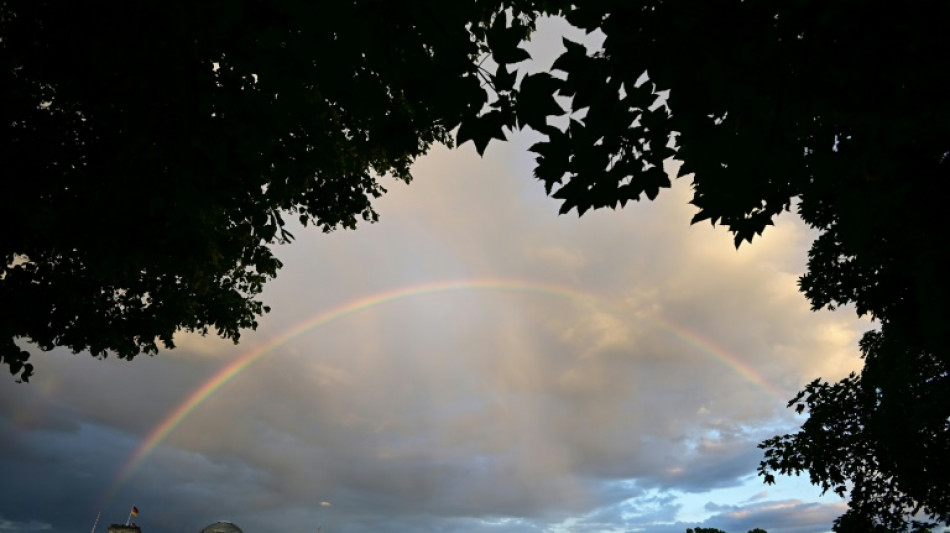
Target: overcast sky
(471,363)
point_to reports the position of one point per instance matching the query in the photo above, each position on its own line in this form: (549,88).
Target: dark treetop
(152,151)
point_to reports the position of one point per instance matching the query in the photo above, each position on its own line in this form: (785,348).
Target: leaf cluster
(152,152)
(836,107)
(153,155)
(880,437)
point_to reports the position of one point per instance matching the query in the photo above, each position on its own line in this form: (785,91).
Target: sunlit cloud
(582,375)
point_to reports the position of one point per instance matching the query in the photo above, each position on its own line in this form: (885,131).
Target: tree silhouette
(837,108)
(152,153)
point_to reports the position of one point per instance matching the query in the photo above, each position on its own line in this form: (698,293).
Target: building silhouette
(122,528)
(221,527)
(217,527)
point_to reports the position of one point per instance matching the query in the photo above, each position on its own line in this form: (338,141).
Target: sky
(472,363)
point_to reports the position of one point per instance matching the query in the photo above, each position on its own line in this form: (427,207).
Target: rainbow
(239,365)
(708,347)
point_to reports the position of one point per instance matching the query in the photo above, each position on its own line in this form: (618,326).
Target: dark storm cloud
(10,525)
(56,477)
(65,435)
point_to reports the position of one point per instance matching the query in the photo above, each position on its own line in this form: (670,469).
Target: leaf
(585,18)
(536,100)
(573,59)
(553,158)
(702,215)
(481,130)
(510,54)
(652,180)
(504,41)
(504,80)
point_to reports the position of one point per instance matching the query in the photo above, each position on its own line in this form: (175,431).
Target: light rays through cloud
(168,424)
(471,363)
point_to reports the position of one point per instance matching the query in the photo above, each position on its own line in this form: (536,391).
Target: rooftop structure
(122,528)
(222,527)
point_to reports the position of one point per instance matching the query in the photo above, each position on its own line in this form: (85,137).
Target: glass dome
(222,527)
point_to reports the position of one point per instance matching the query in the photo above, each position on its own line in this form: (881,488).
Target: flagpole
(94,524)
(129,519)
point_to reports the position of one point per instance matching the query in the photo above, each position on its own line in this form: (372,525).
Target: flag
(135,511)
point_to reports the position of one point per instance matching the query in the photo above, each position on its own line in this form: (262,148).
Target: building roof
(222,527)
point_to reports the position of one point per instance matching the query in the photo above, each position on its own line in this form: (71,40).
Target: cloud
(783,516)
(23,527)
(586,408)
(757,496)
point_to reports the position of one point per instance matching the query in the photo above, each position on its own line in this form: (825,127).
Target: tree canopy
(836,108)
(152,153)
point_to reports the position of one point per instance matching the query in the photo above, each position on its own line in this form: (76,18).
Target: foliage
(152,151)
(886,443)
(854,523)
(185,133)
(836,106)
